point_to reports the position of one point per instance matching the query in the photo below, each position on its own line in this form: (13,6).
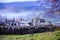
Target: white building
(40,22)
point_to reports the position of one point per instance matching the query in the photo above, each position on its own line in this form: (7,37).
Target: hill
(38,36)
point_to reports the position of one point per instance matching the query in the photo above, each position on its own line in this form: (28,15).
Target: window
(42,20)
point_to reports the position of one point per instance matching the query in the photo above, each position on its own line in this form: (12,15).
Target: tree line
(24,30)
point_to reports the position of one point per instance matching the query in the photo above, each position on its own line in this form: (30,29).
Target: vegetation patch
(38,36)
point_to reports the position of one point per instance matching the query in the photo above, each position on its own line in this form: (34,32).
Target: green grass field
(38,36)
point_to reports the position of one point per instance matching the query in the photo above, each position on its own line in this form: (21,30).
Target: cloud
(16,0)
(24,14)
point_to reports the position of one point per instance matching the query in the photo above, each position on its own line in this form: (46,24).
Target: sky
(5,1)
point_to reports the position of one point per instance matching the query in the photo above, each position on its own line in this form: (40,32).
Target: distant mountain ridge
(30,5)
(16,5)
(22,5)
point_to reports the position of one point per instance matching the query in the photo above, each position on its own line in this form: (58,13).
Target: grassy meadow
(38,36)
